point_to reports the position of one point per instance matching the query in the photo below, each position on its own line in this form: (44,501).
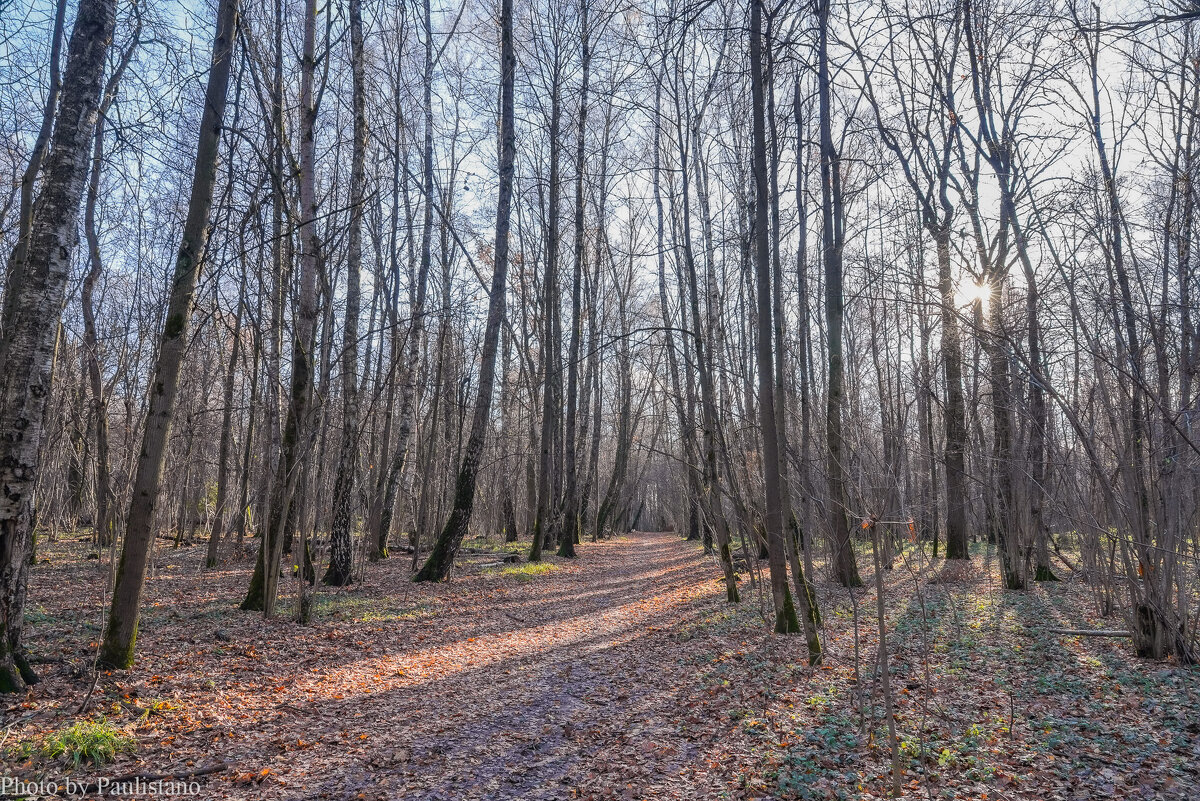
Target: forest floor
(622,674)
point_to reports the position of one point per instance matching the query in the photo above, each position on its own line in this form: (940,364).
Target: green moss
(175,326)
(566,544)
(731,590)
(10,680)
(254,599)
(113,655)
(786,621)
(1044,573)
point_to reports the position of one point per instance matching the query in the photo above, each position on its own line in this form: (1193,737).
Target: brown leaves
(623,674)
(251,778)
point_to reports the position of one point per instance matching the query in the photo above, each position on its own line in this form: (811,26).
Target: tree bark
(832,235)
(121,633)
(437,566)
(545,523)
(785,612)
(340,572)
(37,155)
(570,527)
(33,305)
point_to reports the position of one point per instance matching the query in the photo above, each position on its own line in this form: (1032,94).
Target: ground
(621,674)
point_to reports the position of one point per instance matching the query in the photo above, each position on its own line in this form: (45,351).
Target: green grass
(365,609)
(485,545)
(525,572)
(97,742)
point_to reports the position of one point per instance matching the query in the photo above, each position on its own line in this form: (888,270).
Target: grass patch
(367,609)
(96,742)
(484,545)
(525,572)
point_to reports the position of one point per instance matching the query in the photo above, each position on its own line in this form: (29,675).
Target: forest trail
(490,686)
(622,674)
(540,689)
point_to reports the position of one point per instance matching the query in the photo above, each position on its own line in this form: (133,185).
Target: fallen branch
(92,689)
(8,729)
(1091,632)
(1061,556)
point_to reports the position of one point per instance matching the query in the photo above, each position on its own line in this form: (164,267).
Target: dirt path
(619,675)
(490,686)
(575,679)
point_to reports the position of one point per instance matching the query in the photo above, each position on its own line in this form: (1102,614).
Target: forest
(605,399)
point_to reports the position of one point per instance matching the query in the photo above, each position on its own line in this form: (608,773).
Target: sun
(971,292)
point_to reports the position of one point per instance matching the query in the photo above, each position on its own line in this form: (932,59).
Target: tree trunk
(37,155)
(570,527)
(444,550)
(832,235)
(785,612)
(218,517)
(340,572)
(33,304)
(121,633)
(264,584)
(417,329)
(954,413)
(545,524)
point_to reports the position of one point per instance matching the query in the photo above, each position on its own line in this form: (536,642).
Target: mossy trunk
(253,602)
(804,588)
(1150,633)
(731,588)
(693,521)
(1044,573)
(15,672)
(786,621)
(510,517)
(570,535)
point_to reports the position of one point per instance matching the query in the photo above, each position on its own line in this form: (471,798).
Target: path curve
(536,690)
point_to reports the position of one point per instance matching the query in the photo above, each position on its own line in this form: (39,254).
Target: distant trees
(785,613)
(442,557)
(340,570)
(917,121)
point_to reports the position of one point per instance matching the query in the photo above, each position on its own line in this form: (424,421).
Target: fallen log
(1091,632)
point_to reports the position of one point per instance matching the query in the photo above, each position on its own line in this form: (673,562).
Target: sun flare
(971,292)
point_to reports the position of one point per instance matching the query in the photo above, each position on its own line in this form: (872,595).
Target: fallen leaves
(624,674)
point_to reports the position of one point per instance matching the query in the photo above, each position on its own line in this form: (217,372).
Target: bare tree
(442,557)
(121,632)
(37,279)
